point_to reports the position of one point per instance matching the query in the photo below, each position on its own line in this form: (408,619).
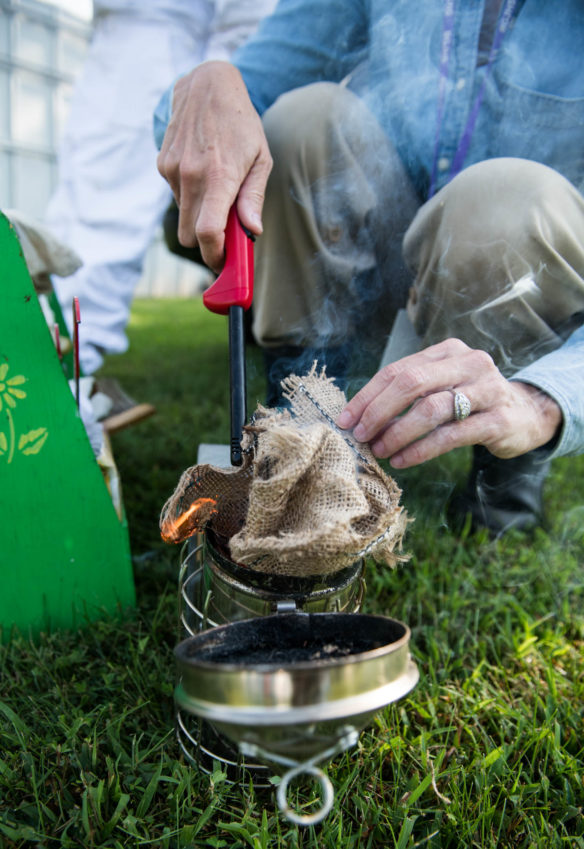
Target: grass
(487,751)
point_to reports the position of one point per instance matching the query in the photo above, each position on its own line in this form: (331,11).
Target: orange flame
(172,530)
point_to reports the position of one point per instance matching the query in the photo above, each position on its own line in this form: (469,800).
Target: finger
(250,200)
(168,168)
(405,389)
(440,441)
(376,387)
(210,226)
(182,177)
(448,349)
(424,416)
(424,377)
(188,211)
(498,420)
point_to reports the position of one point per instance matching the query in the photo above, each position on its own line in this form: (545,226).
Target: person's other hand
(214,152)
(406,411)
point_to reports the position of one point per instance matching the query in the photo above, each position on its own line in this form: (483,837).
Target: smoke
(570,525)
(499,321)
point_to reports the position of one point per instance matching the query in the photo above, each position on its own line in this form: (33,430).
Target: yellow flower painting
(10,394)
(9,391)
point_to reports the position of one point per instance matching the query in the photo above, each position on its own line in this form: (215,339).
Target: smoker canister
(214,591)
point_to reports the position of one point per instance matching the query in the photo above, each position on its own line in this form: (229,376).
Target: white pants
(110,198)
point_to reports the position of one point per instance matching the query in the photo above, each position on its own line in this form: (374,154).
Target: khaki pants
(496,258)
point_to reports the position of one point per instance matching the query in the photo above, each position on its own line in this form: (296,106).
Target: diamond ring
(462,407)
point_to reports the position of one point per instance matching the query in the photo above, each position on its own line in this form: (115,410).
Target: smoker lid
(295,667)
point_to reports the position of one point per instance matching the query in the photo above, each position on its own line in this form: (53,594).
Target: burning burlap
(307,500)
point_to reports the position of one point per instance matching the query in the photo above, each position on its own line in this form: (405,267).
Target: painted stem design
(12,437)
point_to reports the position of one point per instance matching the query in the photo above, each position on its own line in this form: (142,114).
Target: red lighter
(231,294)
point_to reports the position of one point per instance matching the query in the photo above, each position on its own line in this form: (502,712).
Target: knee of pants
(299,117)
(313,125)
(504,239)
(521,202)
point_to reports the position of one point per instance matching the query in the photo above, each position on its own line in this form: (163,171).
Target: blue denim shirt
(561,375)
(532,106)
(533,103)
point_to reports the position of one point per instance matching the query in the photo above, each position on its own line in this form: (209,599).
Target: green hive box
(64,552)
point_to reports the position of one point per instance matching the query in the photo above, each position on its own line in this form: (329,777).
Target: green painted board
(64,553)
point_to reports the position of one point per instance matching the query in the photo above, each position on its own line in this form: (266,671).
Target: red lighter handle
(234,286)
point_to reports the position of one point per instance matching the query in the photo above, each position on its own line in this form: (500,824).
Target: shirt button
(460,83)
(443,163)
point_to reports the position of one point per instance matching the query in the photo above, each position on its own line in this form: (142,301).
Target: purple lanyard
(503,22)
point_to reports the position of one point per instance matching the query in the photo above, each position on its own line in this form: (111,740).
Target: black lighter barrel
(237,381)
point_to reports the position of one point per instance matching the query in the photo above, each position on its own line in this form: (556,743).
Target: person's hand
(406,411)
(214,152)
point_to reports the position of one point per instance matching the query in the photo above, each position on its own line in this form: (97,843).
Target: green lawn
(487,751)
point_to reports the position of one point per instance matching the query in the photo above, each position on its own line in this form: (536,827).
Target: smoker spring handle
(348,738)
(328,795)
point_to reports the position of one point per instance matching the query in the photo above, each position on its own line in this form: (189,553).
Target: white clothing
(110,198)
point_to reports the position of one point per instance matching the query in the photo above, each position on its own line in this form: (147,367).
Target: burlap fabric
(307,500)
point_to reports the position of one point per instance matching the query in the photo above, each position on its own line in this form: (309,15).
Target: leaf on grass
(406,832)
(239,829)
(20,833)
(146,799)
(205,816)
(417,792)
(493,756)
(9,832)
(526,646)
(114,819)
(20,727)
(5,770)
(130,823)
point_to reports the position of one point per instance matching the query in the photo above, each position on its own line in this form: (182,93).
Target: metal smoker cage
(214,591)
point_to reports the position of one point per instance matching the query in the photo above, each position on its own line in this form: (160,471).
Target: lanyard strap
(503,23)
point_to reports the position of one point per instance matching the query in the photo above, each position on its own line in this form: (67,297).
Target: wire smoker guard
(307,504)
(295,689)
(213,591)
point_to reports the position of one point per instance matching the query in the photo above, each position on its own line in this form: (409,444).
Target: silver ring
(462,407)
